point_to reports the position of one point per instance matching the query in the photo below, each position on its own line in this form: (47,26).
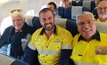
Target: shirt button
(45,61)
(57,47)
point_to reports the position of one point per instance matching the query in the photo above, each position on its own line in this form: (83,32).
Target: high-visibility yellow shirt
(98,20)
(49,49)
(90,53)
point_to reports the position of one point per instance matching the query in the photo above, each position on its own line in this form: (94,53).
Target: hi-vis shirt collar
(43,30)
(98,20)
(96,36)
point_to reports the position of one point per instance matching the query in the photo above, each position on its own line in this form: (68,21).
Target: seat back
(101,27)
(87,4)
(90,5)
(67,12)
(61,22)
(75,11)
(61,12)
(33,21)
(28,20)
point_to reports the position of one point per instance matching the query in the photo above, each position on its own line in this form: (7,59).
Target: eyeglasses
(88,22)
(14,10)
(100,8)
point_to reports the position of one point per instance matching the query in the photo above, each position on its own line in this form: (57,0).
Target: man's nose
(86,25)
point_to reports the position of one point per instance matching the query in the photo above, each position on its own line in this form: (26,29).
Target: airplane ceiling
(7,5)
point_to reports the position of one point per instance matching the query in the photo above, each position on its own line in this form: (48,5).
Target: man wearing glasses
(102,11)
(89,46)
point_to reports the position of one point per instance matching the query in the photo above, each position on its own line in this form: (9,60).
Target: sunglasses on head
(18,10)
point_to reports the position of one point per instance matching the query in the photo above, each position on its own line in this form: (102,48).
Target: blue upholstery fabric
(95,13)
(36,23)
(93,5)
(61,12)
(71,26)
(66,12)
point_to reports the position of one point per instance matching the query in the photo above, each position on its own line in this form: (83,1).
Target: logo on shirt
(38,40)
(57,40)
(101,50)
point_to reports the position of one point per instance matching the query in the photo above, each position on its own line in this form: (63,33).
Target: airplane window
(6,22)
(30,12)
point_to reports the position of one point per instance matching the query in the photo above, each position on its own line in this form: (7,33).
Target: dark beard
(50,27)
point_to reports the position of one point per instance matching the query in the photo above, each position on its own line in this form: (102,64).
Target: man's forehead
(45,16)
(102,3)
(46,12)
(85,17)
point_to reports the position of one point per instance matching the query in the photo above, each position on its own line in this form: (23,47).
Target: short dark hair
(45,10)
(53,3)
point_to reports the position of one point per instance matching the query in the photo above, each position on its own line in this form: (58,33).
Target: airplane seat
(7,60)
(68,24)
(93,5)
(90,5)
(61,22)
(33,21)
(95,13)
(61,12)
(36,23)
(64,12)
(101,27)
(75,11)
(68,12)
(28,20)
(71,26)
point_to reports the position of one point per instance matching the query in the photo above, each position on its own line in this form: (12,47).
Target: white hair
(18,13)
(83,13)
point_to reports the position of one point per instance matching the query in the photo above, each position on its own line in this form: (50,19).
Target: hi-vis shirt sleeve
(67,41)
(31,43)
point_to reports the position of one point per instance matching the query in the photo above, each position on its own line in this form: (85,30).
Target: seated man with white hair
(102,11)
(17,35)
(89,46)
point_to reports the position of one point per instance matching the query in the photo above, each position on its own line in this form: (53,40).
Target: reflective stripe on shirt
(66,46)
(80,63)
(51,52)
(31,46)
